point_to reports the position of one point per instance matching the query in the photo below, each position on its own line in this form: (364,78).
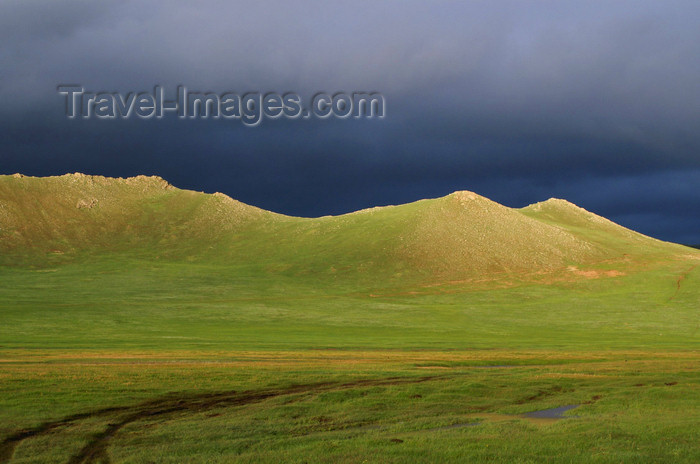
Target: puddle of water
(544,416)
(554,413)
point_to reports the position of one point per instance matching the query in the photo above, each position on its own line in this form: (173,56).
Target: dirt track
(174,405)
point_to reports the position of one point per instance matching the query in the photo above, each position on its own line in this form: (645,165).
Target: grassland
(140,323)
(350,406)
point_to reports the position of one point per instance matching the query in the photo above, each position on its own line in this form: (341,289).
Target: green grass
(121,332)
(121,303)
(634,407)
(223,333)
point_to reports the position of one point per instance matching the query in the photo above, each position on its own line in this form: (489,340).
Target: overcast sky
(595,102)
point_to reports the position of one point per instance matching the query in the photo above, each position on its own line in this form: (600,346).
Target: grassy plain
(201,371)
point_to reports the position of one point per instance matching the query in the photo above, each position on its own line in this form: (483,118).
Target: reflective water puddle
(544,416)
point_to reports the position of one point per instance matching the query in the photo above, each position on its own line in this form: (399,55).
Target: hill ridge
(462,195)
(461,235)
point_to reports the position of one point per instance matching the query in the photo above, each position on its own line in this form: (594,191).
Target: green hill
(47,221)
(88,261)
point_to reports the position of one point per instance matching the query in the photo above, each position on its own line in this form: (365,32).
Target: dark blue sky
(595,102)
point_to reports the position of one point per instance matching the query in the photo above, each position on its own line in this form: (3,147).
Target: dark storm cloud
(597,102)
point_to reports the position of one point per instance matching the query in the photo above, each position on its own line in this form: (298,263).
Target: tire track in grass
(176,405)
(7,446)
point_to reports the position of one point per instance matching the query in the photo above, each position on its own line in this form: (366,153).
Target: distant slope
(596,229)
(76,213)
(45,221)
